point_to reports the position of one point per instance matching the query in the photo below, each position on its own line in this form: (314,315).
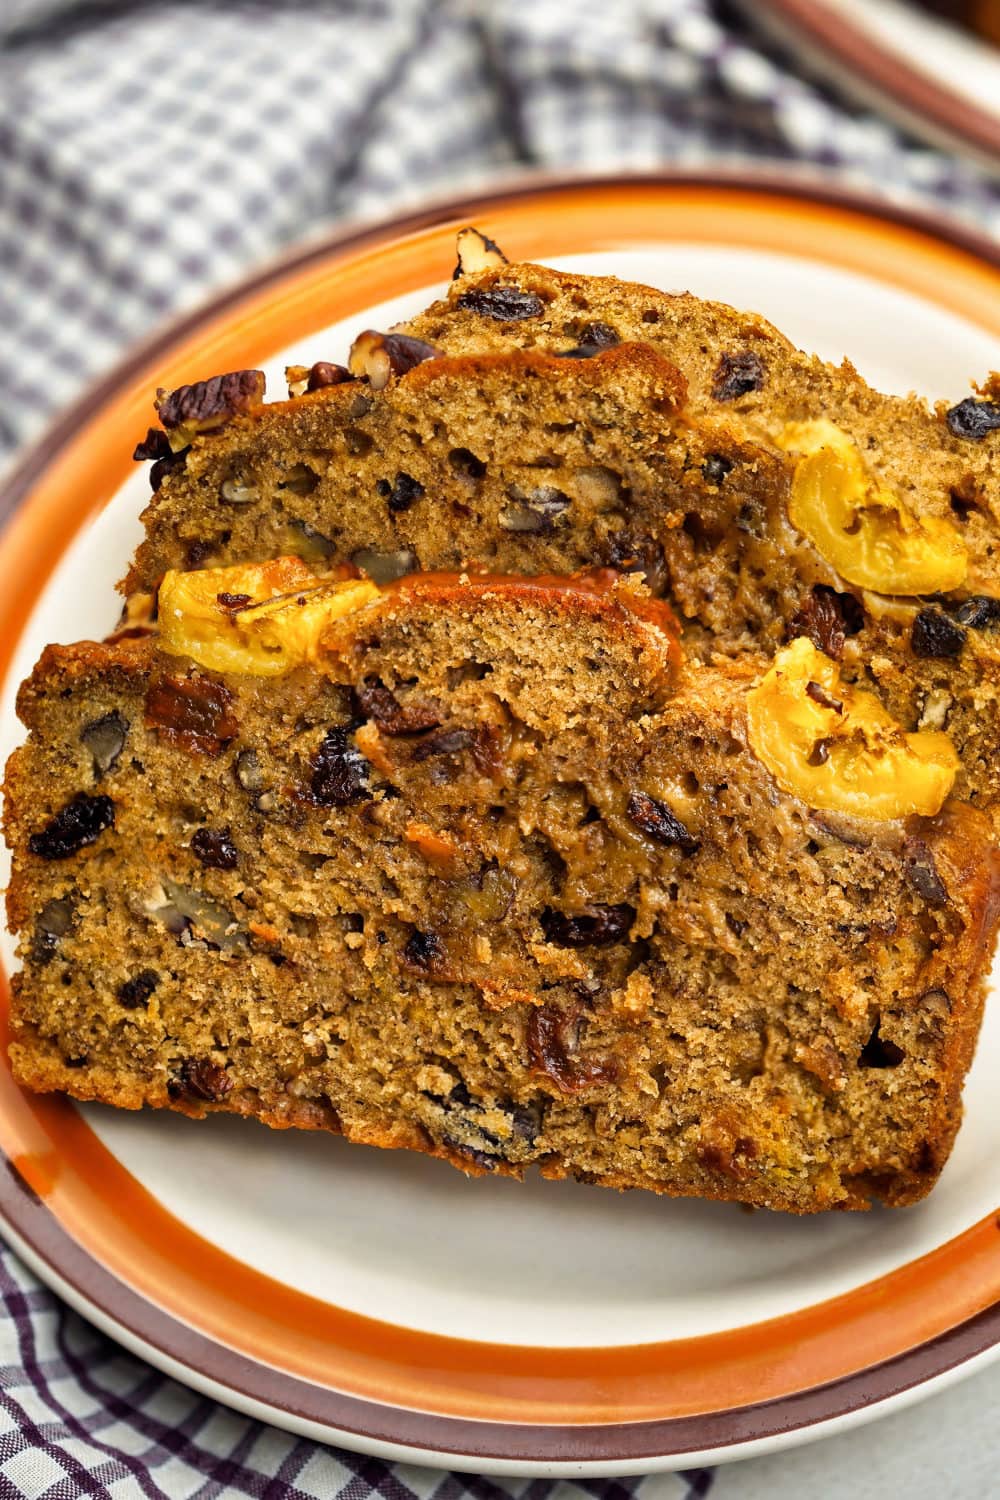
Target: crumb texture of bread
(502,882)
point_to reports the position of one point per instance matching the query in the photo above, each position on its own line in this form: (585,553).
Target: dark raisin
(339,771)
(716,468)
(738,374)
(552,1038)
(933,634)
(506,304)
(79,823)
(597,927)
(600,335)
(973,419)
(377,702)
(211,402)
(135,992)
(423,949)
(234,602)
(922,873)
(526,1120)
(193,712)
(979,613)
(215,849)
(165,466)
(879,1052)
(819,694)
(656,820)
(200,1078)
(828,618)
(154,445)
(402,493)
(631,553)
(105,739)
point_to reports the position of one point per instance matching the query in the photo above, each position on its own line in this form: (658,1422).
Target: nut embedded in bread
(411,887)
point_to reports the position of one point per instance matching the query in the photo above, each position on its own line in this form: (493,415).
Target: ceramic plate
(380,1300)
(936,79)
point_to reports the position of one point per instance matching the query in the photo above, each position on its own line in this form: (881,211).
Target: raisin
(377,702)
(339,771)
(879,1052)
(215,849)
(79,823)
(716,468)
(933,634)
(423,949)
(154,445)
(598,927)
(211,402)
(402,493)
(448,742)
(922,873)
(234,602)
(135,992)
(738,374)
(828,618)
(656,820)
(973,419)
(105,739)
(600,335)
(192,712)
(978,613)
(471,1153)
(200,1078)
(506,304)
(819,694)
(552,1039)
(165,466)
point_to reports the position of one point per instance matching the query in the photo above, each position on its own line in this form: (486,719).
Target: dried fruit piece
(79,823)
(979,613)
(859,525)
(378,703)
(339,771)
(505,304)
(401,493)
(280,630)
(200,1078)
(476,253)
(738,374)
(193,712)
(933,634)
(973,419)
(105,739)
(376,357)
(215,848)
(597,927)
(208,404)
(154,445)
(135,992)
(655,819)
(868,767)
(828,618)
(552,1038)
(424,950)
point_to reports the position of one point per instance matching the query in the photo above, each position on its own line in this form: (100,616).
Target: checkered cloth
(148,153)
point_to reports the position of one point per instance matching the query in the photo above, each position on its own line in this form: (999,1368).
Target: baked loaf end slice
(515,462)
(481,869)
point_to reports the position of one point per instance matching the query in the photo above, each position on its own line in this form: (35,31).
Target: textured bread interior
(408,898)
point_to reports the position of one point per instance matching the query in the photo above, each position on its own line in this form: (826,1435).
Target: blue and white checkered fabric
(149,151)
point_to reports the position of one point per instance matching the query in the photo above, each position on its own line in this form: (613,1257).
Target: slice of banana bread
(368,860)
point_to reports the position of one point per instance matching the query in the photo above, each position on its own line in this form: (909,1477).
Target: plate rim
(891,1381)
(927,106)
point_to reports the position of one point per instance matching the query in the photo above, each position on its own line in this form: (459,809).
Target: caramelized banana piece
(860,526)
(837,747)
(262,619)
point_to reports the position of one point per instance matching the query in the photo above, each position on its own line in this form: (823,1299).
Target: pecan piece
(376,356)
(192,712)
(208,404)
(105,739)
